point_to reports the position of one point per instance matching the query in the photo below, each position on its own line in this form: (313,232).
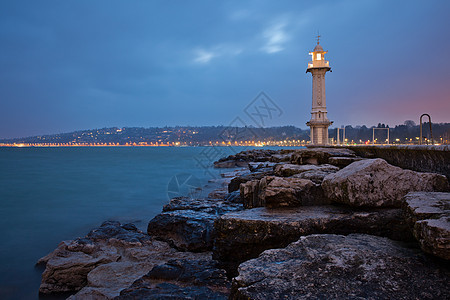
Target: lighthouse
(319,122)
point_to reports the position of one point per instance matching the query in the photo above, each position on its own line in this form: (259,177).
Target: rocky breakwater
(118,260)
(297,224)
(331,193)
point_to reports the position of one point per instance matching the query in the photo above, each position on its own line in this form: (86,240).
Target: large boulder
(181,279)
(342,267)
(428,214)
(185,230)
(292,192)
(286,170)
(187,224)
(255,230)
(273,192)
(319,156)
(375,183)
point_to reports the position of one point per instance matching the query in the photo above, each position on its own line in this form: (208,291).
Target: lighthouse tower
(319,122)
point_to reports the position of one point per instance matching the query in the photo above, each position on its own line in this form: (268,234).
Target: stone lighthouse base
(319,132)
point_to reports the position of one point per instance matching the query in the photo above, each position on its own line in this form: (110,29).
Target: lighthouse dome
(318,48)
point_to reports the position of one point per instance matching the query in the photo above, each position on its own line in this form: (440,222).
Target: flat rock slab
(243,235)
(342,267)
(211,206)
(429,216)
(426,205)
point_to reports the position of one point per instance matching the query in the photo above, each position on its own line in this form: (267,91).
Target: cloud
(275,37)
(203,56)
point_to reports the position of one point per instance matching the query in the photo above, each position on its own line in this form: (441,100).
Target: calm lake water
(52,194)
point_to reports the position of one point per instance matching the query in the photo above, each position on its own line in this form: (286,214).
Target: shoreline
(285,195)
(259,145)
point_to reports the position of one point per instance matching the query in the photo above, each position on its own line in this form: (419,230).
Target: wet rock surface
(183,279)
(211,206)
(429,217)
(342,267)
(375,183)
(255,230)
(234,197)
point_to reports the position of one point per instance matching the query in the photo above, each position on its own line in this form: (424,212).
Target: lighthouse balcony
(318,64)
(319,122)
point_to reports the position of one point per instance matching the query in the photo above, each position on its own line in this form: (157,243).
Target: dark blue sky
(69,65)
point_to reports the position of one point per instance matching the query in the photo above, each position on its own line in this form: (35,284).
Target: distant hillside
(168,135)
(222,135)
